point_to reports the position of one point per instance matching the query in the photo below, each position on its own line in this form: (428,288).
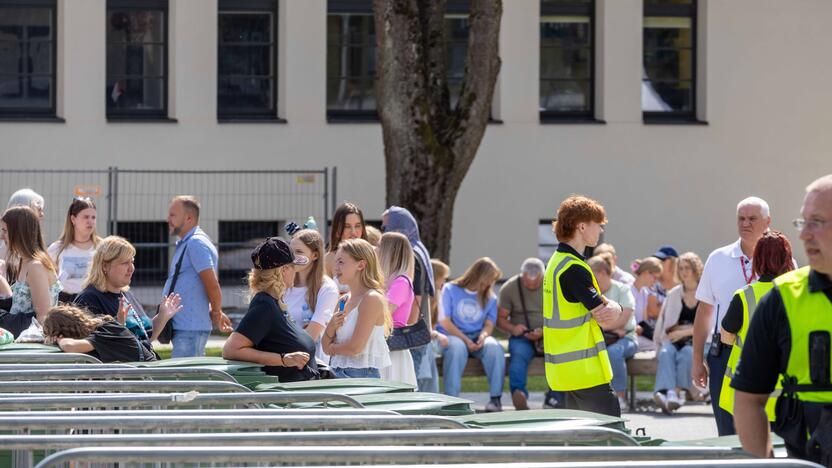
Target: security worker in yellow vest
(576,358)
(772,257)
(790,335)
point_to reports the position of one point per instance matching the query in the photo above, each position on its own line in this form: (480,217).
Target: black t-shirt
(688,314)
(106,303)
(732,322)
(576,282)
(765,353)
(112,342)
(269,328)
(421,287)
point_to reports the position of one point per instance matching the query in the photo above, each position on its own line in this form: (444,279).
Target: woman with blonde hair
(75,331)
(396,259)
(72,253)
(36,286)
(266,335)
(313,295)
(107,291)
(647,272)
(355,336)
(674,335)
(467,315)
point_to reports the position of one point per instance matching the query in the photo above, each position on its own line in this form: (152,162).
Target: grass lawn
(536,383)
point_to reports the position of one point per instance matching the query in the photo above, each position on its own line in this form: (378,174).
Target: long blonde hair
(78,205)
(395,256)
(371,277)
(111,249)
(313,241)
(440,270)
(482,270)
(268,281)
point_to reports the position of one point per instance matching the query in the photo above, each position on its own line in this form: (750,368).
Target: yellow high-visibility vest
(749,296)
(575,354)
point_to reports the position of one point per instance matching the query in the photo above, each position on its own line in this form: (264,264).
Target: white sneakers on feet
(661,401)
(674,401)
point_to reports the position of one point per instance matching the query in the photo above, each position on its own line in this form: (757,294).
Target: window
(566,59)
(247,59)
(668,90)
(137,57)
(351,57)
(27,58)
(150,238)
(236,241)
(547,243)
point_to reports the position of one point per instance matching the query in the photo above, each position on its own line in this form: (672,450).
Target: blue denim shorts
(354,373)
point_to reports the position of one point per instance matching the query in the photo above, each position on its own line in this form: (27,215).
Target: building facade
(668,112)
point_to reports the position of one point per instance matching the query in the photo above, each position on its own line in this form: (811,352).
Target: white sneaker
(673,401)
(622,403)
(661,401)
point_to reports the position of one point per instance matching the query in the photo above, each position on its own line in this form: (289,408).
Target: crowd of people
(374,304)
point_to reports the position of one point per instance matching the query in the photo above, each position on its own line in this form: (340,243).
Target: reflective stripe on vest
(749,296)
(806,312)
(575,356)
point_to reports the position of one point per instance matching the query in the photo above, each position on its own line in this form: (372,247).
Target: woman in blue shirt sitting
(467,314)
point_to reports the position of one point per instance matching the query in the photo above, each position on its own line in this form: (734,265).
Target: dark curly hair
(71,322)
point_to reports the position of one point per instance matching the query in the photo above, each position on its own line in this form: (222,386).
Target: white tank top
(375,354)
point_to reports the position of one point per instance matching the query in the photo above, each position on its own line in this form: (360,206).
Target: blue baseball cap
(665,252)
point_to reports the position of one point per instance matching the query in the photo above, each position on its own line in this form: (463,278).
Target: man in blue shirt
(197,283)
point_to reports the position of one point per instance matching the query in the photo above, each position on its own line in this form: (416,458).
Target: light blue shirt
(199,256)
(463,308)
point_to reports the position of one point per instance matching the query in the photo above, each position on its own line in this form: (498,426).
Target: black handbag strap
(176,271)
(523,303)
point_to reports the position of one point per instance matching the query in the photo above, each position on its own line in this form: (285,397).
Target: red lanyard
(748,278)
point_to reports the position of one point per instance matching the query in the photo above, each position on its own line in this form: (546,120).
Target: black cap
(274,252)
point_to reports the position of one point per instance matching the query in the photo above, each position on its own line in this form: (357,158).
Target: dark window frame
(573,9)
(235,228)
(271,6)
(676,11)
(152,255)
(136,114)
(365,7)
(33,113)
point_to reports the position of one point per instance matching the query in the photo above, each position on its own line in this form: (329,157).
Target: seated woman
(107,291)
(355,337)
(674,336)
(267,335)
(76,331)
(647,273)
(467,315)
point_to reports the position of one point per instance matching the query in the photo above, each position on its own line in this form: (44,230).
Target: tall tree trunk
(429,145)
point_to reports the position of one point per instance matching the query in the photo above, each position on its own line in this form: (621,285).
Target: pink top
(400,295)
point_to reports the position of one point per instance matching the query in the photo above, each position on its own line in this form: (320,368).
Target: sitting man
(520,315)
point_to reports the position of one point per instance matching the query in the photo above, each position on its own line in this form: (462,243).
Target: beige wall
(765,81)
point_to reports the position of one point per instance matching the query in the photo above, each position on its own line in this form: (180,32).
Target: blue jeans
(673,368)
(189,343)
(424,362)
(455,357)
(356,373)
(619,352)
(521,353)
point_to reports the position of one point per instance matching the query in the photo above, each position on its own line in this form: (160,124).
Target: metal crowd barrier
(132,386)
(14,357)
(241,413)
(109,373)
(386,455)
(10,402)
(55,366)
(145,424)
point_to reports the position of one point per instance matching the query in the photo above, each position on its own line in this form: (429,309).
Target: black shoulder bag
(410,336)
(167,332)
(538,345)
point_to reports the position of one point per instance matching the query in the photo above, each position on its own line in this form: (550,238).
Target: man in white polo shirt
(727,270)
